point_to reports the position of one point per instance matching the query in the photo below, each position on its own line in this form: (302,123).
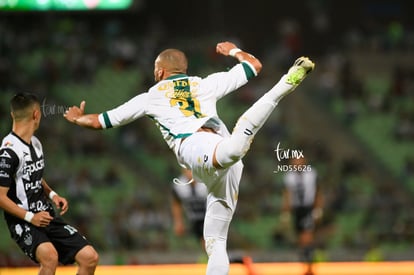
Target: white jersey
(181,104)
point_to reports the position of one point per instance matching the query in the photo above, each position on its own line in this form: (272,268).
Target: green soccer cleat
(300,69)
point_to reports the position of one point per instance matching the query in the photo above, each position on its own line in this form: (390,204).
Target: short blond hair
(174,61)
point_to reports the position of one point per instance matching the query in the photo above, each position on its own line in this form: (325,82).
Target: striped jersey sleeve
(8,165)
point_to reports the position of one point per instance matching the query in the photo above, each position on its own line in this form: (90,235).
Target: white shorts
(196,153)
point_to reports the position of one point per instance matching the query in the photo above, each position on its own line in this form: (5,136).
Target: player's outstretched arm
(229,48)
(76,115)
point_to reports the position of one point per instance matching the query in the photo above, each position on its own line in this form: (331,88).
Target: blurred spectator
(79,191)
(351,91)
(145,225)
(112,177)
(404,126)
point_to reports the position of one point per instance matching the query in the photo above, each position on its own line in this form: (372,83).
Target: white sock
(218,260)
(216,227)
(280,90)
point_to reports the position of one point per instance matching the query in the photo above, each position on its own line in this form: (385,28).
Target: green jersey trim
(107,121)
(248,70)
(175,136)
(176,76)
(168,130)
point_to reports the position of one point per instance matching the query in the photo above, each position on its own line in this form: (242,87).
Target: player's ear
(160,73)
(36,115)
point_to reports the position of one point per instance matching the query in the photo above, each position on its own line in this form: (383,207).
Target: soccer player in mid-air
(184,109)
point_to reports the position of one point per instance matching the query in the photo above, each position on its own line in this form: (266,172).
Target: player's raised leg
(233,149)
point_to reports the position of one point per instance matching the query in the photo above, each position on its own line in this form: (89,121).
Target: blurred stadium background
(353,119)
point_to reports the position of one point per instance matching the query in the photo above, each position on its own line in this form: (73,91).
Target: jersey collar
(19,138)
(176,76)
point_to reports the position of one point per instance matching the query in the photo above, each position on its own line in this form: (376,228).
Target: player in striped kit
(302,199)
(184,109)
(189,200)
(27,199)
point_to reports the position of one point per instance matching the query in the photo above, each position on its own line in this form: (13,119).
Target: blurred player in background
(189,200)
(184,109)
(302,200)
(26,198)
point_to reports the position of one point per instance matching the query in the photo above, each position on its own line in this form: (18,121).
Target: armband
(233,51)
(52,194)
(29,216)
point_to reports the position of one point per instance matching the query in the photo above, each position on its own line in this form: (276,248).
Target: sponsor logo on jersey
(28,239)
(5,155)
(39,206)
(179,94)
(4,175)
(8,144)
(33,167)
(26,156)
(33,185)
(3,164)
(173,84)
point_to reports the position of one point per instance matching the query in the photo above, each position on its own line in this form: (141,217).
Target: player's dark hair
(21,102)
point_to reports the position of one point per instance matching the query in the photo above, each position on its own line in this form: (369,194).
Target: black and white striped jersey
(302,186)
(21,170)
(192,197)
